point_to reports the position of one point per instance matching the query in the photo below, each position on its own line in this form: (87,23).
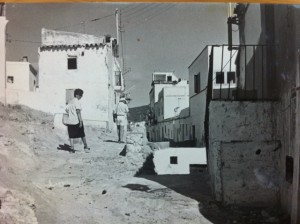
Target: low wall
(178,160)
(243,155)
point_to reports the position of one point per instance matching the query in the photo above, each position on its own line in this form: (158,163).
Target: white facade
(68,61)
(175,129)
(159,81)
(3,23)
(20,75)
(171,100)
(198,79)
(169,97)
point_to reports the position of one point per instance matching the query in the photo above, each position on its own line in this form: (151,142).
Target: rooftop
(63,38)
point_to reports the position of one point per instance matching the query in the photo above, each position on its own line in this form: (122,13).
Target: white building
(222,86)
(171,100)
(159,81)
(21,75)
(70,60)
(169,97)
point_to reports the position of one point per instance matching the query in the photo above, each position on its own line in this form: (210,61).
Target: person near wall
(75,123)
(121,121)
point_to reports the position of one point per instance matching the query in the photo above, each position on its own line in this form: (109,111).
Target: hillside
(137,114)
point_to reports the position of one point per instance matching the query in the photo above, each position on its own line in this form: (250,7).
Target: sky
(157,36)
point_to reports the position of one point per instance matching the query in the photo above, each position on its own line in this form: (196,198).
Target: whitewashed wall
(184,156)
(92,76)
(243,155)
(175,98)
(23,77)
(198,100)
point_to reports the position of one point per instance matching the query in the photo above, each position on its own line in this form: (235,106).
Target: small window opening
(219,77)
(197,83)
(72,63)
(118,78)
(169,78)
(173,160)
(10,79)
(230,77)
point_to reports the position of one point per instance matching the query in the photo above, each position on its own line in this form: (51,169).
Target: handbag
(115,115)
(65,119)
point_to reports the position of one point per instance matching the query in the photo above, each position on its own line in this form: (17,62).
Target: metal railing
(253,77)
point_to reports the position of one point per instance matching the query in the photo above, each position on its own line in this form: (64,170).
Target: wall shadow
(197,187)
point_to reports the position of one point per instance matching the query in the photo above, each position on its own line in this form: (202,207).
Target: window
(197,83)
(173,160)
(219,77)
(169,78)
(72,63)
(10,79)
(118,78)
(230,77)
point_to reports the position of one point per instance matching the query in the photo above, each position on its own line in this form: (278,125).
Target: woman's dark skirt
(75,131)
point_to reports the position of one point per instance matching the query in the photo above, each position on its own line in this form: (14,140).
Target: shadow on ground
(65,147)
(197,186)
(111,141)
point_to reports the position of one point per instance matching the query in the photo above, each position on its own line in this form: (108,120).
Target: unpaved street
(41,184)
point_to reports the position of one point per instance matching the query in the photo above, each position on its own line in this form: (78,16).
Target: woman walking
(75,123)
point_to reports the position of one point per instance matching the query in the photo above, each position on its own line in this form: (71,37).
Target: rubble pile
(136,138)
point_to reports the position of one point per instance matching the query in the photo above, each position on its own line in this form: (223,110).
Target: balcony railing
(244,73)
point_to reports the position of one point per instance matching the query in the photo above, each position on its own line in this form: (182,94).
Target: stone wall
(244,150)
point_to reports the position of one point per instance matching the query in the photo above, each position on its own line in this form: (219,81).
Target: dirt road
(41,184)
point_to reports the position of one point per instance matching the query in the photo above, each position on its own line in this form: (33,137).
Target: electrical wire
(135,8)
(230,59)
(149,14)
(148,18)
(85,21)
(139,12)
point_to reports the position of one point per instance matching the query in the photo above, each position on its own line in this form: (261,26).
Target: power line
(134,7)
(142,11)
(138,11)
(85,21)
(154,15)
(145,15)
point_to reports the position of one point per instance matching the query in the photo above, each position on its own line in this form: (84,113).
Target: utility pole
(121,43)
(117,25)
